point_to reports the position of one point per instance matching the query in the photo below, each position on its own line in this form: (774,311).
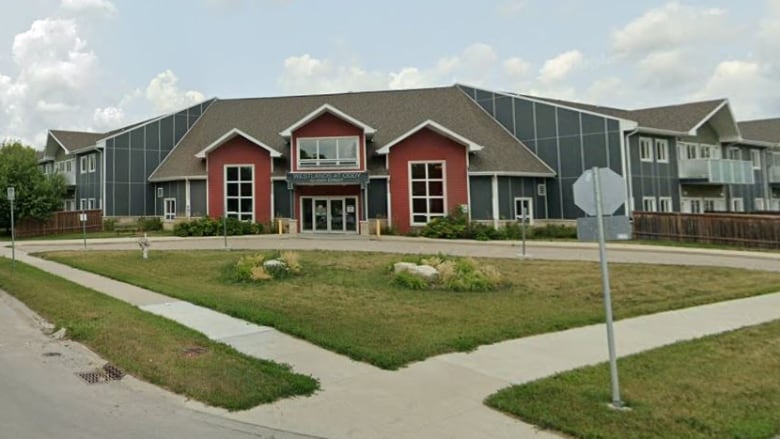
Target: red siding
(240,151)
(426,145)
(328,125)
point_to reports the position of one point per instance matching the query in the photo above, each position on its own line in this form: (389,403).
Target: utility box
(616,228)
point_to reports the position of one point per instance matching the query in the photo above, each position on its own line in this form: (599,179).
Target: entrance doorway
(329,214)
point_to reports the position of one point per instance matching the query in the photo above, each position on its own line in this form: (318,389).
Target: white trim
(58,142)
(472,146)
(187,203)
(165,209)
(239,182)
(427,196)
(653,204)
(530,214)
(669,203)
(646,141)
(229,135)
(664,143)
(327,108)
(378,177)
(494,190)
(358,163)
(755,153)
(179,178)
(725,103)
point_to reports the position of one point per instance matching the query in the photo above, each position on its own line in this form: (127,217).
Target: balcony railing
(718,171)
(774,174)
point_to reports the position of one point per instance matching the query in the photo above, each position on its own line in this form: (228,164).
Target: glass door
(320,215)
(350,214)
(336,214)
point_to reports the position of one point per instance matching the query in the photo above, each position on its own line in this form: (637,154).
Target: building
(331,163)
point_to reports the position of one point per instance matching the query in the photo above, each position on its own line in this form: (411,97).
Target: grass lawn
(722,386)
(150,347)
(90,235)
(669,243)
(345,301)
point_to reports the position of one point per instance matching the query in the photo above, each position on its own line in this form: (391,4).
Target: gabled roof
(391,113)
(431,125)
(327,108)
(72,140)
(229,135)
(763,130)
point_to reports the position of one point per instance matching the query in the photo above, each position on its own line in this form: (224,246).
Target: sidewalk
(437,398)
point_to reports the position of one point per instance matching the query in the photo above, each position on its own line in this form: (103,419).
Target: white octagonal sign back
(613,191)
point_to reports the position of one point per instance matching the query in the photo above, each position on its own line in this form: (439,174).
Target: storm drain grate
(108,372)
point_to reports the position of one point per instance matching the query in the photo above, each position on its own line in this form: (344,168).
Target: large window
(645,149)
(648,204)
(427,182)
(755,157)
(664,204)
(662,150)
(239,192)
(328,152)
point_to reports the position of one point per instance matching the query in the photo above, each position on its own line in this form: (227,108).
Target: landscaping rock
(399,267)
(274,263)
(426,272)
(59,335)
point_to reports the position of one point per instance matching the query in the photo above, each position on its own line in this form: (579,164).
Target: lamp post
(11,197)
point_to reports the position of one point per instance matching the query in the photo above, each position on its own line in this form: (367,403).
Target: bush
(407,280)
(109,224)
(455,274)
(554,231)
(452,226)
(151,224)
(255,268)
(214,227)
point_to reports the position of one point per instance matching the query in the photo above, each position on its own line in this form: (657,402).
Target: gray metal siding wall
(481,192)
(89,185)
(172,189)
(132,156)
(654,179)
(197,198)
(749,193)
(282,208)
(377,198)
(510,188)
(568,141)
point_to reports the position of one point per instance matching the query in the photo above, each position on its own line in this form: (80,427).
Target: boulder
(274,263)
(426,272)
(398,267)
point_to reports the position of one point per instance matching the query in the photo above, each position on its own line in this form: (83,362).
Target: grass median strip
(152,348)
(722,386)
(345,301)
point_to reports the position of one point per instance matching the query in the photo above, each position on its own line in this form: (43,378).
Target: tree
(37,195)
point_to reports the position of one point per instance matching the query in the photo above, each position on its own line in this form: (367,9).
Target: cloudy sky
(99,64)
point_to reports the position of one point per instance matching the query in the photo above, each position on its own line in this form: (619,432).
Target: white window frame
(169,216)
(92,162)
(90,204)
(662,150)
(649,204)
(160,192)
(755,157)
(758,204)
(428,215)
(646,149)
(665,204)
(83,164)
(337,165)
(529,215)
(731,151)
(238,213)
(737,205)
(82,204)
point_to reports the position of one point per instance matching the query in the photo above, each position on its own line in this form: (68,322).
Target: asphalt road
(41,396)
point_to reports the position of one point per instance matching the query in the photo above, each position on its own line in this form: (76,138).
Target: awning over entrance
(325,178)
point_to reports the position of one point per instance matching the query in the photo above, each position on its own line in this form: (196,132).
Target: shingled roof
(764,130)
(680,118)
(72,140)
(392,113)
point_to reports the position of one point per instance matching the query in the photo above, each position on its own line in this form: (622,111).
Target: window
(758,204)
(160,192)
(755,157)
(645,149)
(705,152)
(737,205)
(709,205)
(90,203)
(69,205)
(524,206)
(239,192)
(664,204)
(69,166)
(92,162)
(328,152)
(648,204)
(170,208)
(662,150)
(83,204)
(733,154)
(541,189)
(427,191)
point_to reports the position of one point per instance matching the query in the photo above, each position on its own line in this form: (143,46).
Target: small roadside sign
(83,217)
(11,193)
(613,193)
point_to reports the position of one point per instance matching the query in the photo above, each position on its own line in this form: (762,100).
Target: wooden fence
(60,222)
(747,230)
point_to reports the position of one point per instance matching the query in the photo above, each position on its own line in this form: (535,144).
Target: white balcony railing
(719,171)
(66,168)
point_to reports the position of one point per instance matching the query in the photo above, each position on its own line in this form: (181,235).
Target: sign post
(594,200)
(83,219)
(11,197)
(522,226)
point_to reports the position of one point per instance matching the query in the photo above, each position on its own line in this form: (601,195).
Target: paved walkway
(442,396)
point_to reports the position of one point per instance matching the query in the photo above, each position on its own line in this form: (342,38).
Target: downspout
(627,171)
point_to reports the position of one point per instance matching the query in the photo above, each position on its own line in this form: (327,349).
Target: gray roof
(72,140)
(391,113)
(679,118)
(764,130)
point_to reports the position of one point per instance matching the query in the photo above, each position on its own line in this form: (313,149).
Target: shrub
(255,267)
(151,224)
(455,274)
(109,224)
(292,260)
(554,231)
(214,227)
(408,280)
(452,226)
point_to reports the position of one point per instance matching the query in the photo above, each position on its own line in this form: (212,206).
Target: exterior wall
(240,151)
(89,184)
(133,155)
(426,145)
(568,141)
(510,188)
(327,125)
(197,198)
(377,198)
(283,199)
(172,189)
(481,197)
(654,179)
(749,193)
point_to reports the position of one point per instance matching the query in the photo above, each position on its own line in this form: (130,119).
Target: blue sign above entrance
(316,178)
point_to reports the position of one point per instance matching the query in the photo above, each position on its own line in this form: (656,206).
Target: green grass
(723,386)
(150,347)
(686,244)
(90,235)
(345,301)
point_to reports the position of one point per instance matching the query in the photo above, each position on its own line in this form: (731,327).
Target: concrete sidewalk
(437,398)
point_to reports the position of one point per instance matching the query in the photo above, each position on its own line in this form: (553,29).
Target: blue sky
(99,64)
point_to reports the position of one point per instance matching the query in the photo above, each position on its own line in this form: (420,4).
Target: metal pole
(522,218)
(224,228)
(613,370)
(13,235)
(84,228)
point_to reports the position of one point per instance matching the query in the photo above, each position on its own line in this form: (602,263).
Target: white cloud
(164,94)
(511,8)
(558,68)
(105,119)
(750,87)
(104,6)
(517,68)
(667,27)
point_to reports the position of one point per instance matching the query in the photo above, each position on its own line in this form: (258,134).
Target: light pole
(11,197)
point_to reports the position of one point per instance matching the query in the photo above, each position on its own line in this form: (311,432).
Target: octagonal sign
(613,192)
